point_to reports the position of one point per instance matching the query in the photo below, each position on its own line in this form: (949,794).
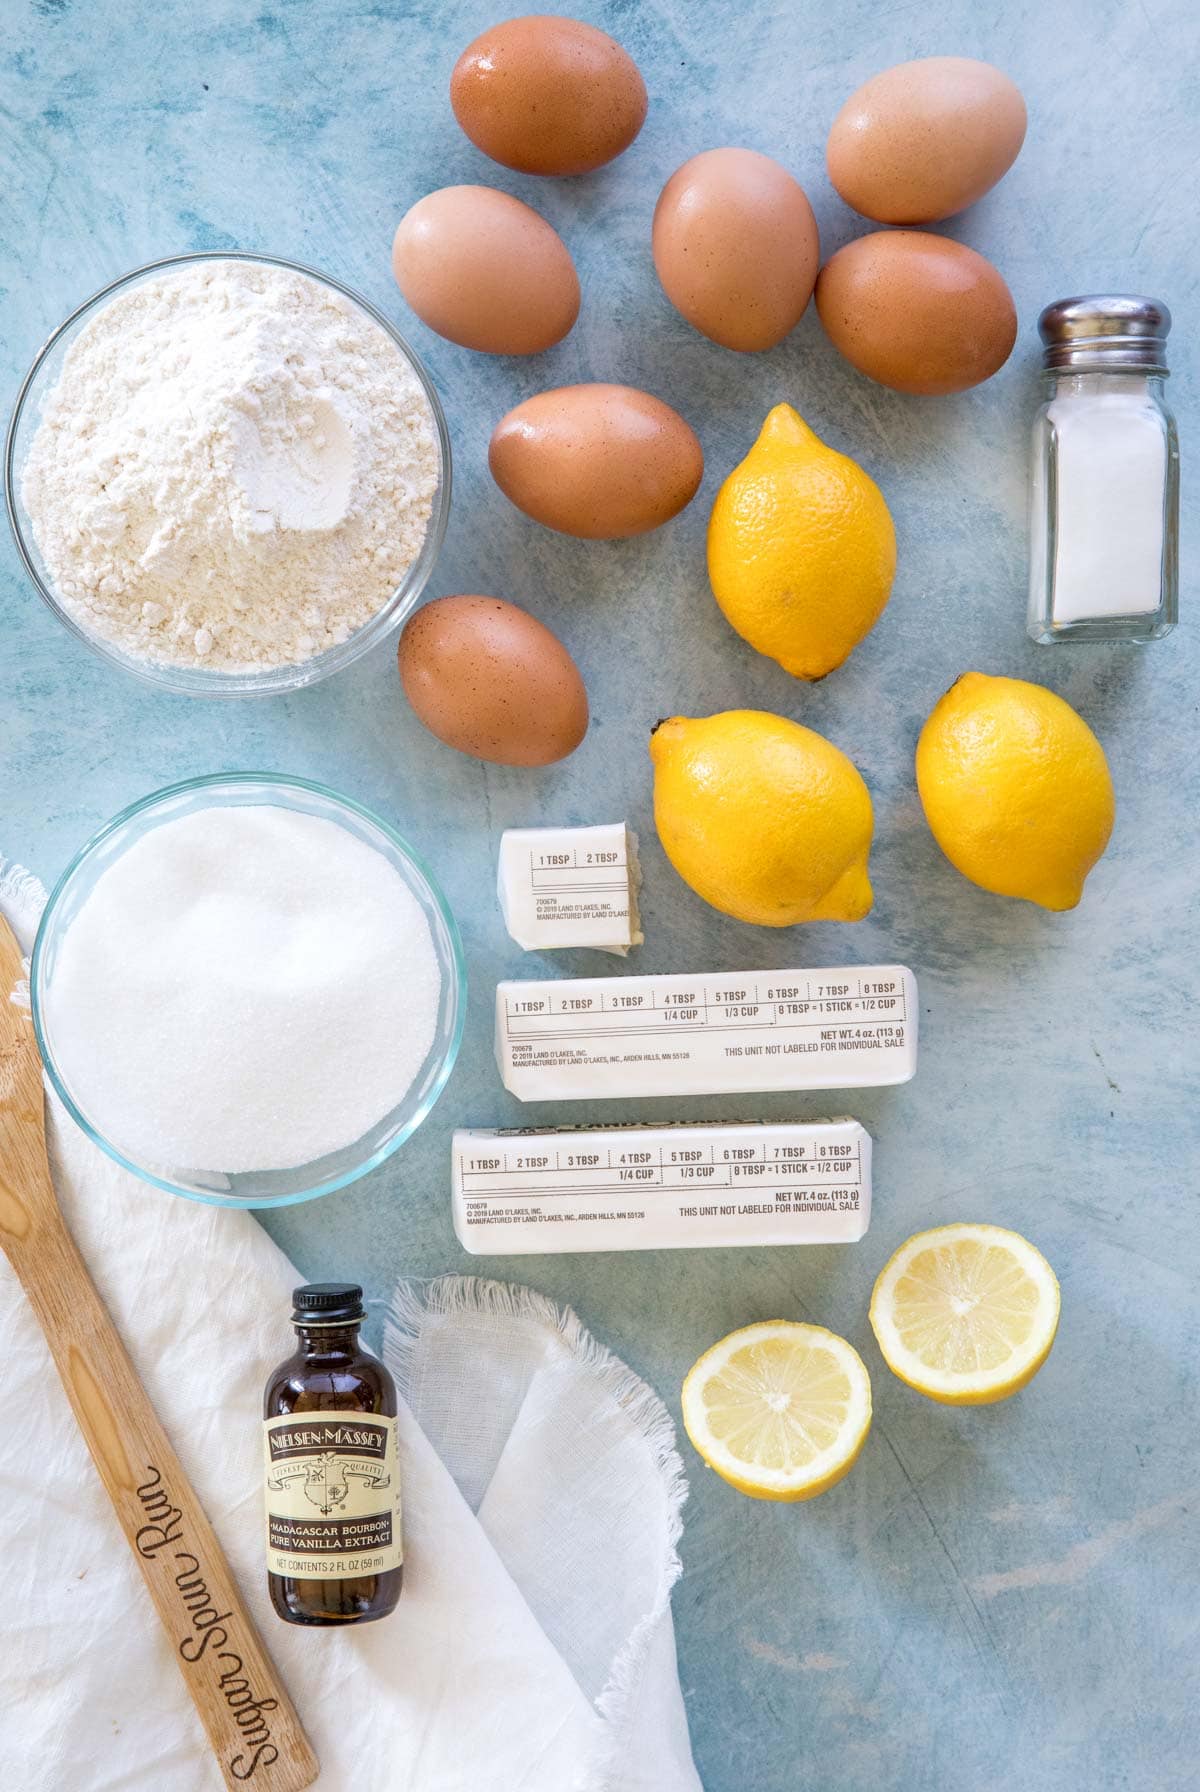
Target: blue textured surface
(994,1598)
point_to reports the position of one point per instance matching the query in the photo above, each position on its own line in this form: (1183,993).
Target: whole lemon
(766,820)
(801,548)
(1015,788)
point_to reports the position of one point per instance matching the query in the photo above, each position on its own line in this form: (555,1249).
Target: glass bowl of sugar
(248,990)
(228,474)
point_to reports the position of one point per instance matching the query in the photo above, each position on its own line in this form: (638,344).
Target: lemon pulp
(966,1313)
(779,1410)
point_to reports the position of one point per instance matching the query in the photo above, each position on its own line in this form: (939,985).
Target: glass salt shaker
(1104,499)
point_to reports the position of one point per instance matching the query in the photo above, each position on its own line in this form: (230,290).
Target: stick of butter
(570,887)
(598,1037)
(655,1188)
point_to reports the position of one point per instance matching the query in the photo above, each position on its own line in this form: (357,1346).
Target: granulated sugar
(235,469)
(247,988)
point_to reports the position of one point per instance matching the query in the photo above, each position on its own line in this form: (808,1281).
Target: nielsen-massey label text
(332,1495)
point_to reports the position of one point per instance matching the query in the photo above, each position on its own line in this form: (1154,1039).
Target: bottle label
(333,1495)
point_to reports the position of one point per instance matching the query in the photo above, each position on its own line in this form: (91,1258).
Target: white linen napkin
(532,1649)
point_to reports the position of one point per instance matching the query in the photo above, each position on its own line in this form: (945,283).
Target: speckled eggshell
(923,140)
(486,271)
(596,461)
(735,246)
(548,95)
(917,312)
(491,680)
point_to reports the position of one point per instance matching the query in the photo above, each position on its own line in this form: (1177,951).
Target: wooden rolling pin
(243,1704)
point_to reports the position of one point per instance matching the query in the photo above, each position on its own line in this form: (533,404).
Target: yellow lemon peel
(801,548)
(766,820)
(1015,788)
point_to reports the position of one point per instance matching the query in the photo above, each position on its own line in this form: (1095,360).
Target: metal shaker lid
(1106,333)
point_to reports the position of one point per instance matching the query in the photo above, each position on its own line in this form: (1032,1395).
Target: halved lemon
(779,1410)
(966,1314)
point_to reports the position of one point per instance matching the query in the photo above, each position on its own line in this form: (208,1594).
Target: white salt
(247,988)
(1111,471)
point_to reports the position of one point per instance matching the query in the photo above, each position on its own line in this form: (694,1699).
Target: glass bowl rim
(456,967)
(234,684)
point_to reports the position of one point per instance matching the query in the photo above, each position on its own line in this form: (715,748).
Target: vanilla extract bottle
(334,1546)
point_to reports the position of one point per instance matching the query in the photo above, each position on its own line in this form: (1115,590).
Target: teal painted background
(994,1598)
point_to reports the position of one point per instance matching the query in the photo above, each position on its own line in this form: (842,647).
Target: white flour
(246,988)
(234,470)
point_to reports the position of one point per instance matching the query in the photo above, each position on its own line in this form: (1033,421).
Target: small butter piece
(595,1038)
(656,1188)
(570,887)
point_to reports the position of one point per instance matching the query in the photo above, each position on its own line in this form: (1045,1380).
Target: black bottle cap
(328,1303)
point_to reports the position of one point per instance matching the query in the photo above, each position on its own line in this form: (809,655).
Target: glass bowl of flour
(248,989)
(228,474)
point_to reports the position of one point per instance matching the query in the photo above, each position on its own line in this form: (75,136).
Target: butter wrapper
(722,1033)
(655,1188)
(570,887)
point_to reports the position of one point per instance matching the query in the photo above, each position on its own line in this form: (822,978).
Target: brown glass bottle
(334,1549)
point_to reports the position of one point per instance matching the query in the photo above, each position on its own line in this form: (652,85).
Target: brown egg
(486,271)
(491,680)
(596,461)
(735,246)
(925,139)
(917,312)
(547,95)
